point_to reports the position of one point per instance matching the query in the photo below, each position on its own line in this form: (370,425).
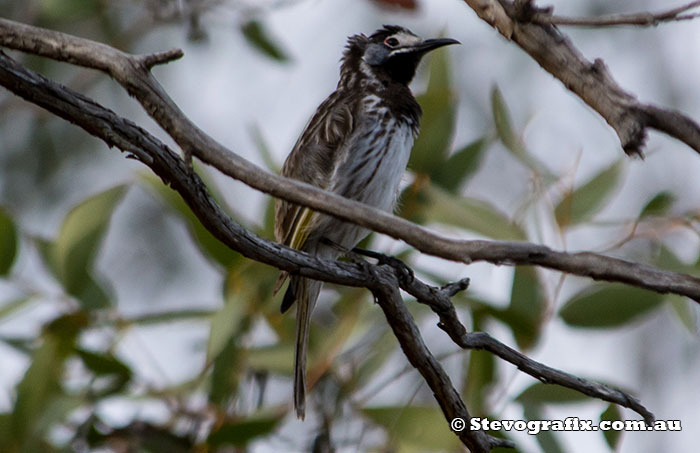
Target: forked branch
(525,25)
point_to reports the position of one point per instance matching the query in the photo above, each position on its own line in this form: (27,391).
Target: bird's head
(392,52)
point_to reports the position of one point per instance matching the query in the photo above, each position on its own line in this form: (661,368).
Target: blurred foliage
(58,404)
(259,38)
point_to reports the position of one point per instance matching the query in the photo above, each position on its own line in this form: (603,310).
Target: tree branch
(385,287)
(438,299)
(639,19)
(131,72)
(128,137)
(591,82)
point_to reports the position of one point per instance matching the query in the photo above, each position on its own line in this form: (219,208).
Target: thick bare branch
(591,81)
(125,135)
(132,73)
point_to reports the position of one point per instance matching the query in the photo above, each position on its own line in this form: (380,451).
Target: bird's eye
(391,42)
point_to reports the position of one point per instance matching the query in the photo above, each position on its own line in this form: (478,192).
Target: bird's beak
(432,44)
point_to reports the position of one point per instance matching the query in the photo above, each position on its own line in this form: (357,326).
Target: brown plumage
(356,145)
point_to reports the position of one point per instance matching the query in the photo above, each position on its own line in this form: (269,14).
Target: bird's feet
(403,272)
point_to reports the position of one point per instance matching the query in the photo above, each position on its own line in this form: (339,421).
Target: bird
(357,145)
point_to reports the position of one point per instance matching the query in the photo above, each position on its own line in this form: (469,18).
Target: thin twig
(438,299)
(638,19)
(549,375)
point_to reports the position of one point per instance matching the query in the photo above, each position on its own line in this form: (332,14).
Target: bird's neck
(357,79)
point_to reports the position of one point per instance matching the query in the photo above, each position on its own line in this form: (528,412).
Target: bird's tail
(305,292)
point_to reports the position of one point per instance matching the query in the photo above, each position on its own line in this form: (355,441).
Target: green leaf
(504,124)
(264,150)
(685,313)
(276,358)
(468,213)
(12,306)
(21,344)
(73,253)
(583,203)
(41,383)
(481,373)
(170,316)
(105,365)
(210,246)
(258,37)
(612,437)
(226,372)
(91,294)
(527,306)
(547,439)
(659,205)
(538,394)
(5,428)
(240,432)
(511,140)
(8,242)
(224,324)
(57,410)
(69,10)
(461,165)
(438,121)
(609,305)
(416,427)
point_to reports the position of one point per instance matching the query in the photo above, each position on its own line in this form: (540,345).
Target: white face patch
(406,42)
(406,39)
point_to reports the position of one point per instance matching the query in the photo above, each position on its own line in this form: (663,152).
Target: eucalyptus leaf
(226,373)
(468,213)
(685,312)
(539,393)
(461,165)
(170,316)
(612,437)
(511,139)
(241,432)
(583,203)
(609,305)
(527,306)
(223,325)
(258,36)
(659,205)
(41,383)
(417,427)
(276,358)
(7,308)
(481,373)
(8,242)
(439,107)
(548,440)
(209,245)
(81,235)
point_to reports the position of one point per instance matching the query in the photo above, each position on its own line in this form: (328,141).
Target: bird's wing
(314,160)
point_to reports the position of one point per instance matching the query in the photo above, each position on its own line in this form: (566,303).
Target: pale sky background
(226,87)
